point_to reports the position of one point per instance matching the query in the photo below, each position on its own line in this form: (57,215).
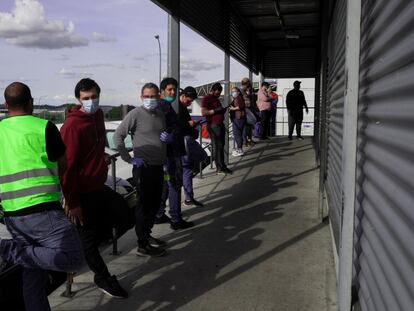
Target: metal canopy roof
(280,38)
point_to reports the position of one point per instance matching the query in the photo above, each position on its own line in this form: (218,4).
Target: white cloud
(67,73)
(27,26)
(100,37)
(61,97)
(195,65)
(188,76)
(100,65)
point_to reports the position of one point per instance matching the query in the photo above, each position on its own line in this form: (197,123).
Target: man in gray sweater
(146,125)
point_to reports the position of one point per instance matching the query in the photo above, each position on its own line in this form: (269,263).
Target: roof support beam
(174,51)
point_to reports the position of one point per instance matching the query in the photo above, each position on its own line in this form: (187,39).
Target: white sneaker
(235,153)
(240,152)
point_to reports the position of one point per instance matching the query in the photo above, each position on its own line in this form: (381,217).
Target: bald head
(18,97)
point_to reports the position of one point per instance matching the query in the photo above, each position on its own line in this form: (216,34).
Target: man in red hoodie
(93,207)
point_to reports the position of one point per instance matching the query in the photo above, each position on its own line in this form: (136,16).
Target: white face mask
(150,103)
(234,94)
(90,105)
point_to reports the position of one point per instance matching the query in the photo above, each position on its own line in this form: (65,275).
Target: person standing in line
(295,102)
(214,112)
(264,104)
(146,125)
(248,95)
(93,206)
(32,152)
(189,129)
(238,118)
(275,99)
(173,167)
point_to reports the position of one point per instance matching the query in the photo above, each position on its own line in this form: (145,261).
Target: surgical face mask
(169,99)
(234,94)
(150,103)
(90,105)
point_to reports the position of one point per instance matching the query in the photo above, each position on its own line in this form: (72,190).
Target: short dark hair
(265,84)
(86,84)
(18,95)
(190,92)
(149,85)
(167,81)
(216,87)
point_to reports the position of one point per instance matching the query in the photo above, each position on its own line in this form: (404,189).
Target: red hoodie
(84,136)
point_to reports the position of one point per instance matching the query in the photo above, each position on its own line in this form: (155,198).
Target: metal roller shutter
(335,109)
(384,252)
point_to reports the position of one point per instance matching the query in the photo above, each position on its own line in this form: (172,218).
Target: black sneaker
(193,202)
(150,251)
(156,242)
(164,219)
(290,137)
(111,287)
(228,171)
(182,224)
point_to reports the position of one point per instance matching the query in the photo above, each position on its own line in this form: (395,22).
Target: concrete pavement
(258,244)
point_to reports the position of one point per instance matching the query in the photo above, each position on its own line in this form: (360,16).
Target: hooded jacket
(85,138)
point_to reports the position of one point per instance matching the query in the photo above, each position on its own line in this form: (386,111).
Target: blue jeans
(238,129)
(41,241)
(172,189)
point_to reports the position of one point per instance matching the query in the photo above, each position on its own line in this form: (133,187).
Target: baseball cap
(191,92)
(297,82)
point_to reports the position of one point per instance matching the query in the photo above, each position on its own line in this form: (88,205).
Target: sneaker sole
(112,295)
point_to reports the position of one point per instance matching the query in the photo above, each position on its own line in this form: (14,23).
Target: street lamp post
(157,37)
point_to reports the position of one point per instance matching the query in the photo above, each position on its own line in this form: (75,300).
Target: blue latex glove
(138,162)
(167,137)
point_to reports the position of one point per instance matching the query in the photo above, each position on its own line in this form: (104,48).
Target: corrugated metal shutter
(384,259)
(335,111)
(290,63)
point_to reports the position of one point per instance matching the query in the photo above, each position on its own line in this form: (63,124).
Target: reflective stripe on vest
(29,191)
(28,174)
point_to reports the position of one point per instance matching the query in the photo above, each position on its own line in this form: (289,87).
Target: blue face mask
(169,99)
(90,105)
(234,94)
(150,103)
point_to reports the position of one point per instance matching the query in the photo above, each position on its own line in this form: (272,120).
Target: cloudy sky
(51,44)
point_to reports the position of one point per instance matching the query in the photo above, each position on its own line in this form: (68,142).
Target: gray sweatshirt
(145,128)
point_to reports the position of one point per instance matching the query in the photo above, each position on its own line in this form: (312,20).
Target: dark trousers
(172,189)
(272,127)
(41,241)
(188,167)
(102,210)
(217,132)
(149,181)
(248,132)
(265,120)
(238,129)
(295,119)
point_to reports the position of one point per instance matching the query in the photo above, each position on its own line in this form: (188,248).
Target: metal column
(226,103)
(349,151)
(174,50)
